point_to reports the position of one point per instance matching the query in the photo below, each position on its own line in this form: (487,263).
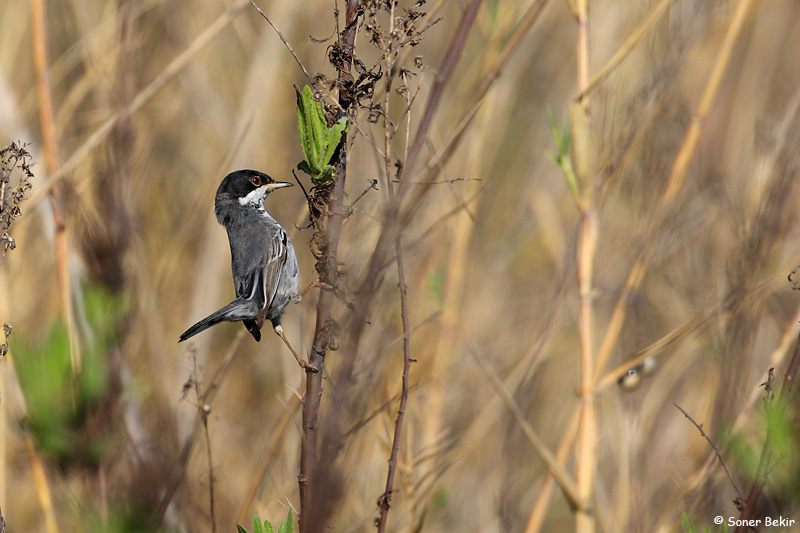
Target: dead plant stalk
(204,409)
(327,270)
(50,145)
(206,398)
(585,460)
(389,57)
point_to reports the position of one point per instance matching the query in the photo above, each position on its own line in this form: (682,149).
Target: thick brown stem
(327,270)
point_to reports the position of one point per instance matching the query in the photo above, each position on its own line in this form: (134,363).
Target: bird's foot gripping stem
(305,365)
(315,283)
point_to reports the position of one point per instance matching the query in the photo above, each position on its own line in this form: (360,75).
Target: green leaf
(257,524)
(566,137)
(288,525)
(318,141)
(315,143)
(302,123)
(562,137)
(240,528)
(335,137)
(303,165)
(268,527)
(306,118)
(320,125)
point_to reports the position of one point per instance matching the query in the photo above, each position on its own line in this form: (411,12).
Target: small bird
(263,262)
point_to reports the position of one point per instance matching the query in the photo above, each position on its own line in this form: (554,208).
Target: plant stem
(327,270)
(386,497)
(50,145)
(585,460)
(587,430)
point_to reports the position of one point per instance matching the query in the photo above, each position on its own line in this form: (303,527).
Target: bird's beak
(278,185)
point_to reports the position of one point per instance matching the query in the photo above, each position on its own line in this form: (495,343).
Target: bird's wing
(265,278)
(272,270)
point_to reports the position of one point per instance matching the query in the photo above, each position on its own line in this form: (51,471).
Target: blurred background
(152,102)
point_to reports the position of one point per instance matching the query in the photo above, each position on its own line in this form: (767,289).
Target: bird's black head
(245,188)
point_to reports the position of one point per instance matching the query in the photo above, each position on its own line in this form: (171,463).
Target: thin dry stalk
(587,430)
(50,145)
(385,499)
(43,492)
(204,409)
(206,398)
(713,447)
(285,42)
(685,155)
(583,157)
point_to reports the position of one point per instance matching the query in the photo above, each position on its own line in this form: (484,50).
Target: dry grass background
(490,264)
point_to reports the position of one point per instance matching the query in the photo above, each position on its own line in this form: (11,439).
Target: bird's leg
(315,283)
(303,364)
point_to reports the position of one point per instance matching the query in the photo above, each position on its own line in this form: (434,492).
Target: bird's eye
(255,180)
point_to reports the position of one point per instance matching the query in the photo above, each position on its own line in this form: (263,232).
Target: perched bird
(263,262)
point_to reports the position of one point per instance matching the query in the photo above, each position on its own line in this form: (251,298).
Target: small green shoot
(561,157)
(286,527)
(318,141)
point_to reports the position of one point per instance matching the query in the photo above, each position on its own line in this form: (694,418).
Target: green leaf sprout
(318,141)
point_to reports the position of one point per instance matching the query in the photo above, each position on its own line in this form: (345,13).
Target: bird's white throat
(255,198)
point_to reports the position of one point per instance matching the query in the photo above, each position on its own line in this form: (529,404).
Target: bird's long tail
(239,309)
